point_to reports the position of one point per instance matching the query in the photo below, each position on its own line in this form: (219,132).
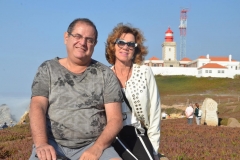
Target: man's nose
(82,41)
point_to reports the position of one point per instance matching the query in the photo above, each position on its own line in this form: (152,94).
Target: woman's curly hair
(140,51)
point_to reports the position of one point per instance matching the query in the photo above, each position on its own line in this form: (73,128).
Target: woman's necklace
(127,75)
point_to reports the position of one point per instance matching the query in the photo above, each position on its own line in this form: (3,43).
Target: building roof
(186,59)
(202,57)
(212,65)
(220,59)
(169,30)
(154,58)
(217,58)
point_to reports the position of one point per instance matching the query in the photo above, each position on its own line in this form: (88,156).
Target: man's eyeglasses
(78,37)
(121,44)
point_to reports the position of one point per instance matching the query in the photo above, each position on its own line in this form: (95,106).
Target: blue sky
(32,32)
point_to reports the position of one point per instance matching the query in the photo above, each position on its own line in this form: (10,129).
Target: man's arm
(114,125)
(37,115)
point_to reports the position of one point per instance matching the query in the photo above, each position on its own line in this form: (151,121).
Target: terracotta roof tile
(154,58)
(186,59)
(221,59)
(217,58)
(213,65)
(202,57)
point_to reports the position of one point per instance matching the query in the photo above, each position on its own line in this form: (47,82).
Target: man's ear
(65,36)
(95,43)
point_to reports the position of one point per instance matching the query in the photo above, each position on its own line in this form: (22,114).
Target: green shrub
(224,121)
(237,76)
(172,110)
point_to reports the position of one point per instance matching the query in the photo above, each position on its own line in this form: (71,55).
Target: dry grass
(180,141)
(181,90)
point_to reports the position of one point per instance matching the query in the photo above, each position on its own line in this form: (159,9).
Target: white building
(204,66)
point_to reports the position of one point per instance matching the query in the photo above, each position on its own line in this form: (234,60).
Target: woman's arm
(154,109)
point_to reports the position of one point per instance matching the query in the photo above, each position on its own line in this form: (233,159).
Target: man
(198,114)
(5,125)
(189,113)
(75,110)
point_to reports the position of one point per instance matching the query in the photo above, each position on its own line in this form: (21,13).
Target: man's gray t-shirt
(76,114)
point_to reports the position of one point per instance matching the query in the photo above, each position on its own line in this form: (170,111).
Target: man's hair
(82,20)
(140,51)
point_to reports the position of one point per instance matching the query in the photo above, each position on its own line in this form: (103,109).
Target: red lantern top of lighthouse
(169,35)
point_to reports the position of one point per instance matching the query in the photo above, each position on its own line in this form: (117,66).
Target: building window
(169,49)
(206,71)
(169,59)
(171,65)
(154,65)
(219,71)
(210,71)
(222,71)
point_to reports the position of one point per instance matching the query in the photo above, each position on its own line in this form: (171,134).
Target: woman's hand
(156,157)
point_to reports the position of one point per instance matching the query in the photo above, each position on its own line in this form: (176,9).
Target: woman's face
(124,52)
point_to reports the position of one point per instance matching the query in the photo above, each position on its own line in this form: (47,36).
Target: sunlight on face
(79,48)
(125,54)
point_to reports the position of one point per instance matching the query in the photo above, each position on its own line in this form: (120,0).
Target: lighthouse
(169,35)
(169,50)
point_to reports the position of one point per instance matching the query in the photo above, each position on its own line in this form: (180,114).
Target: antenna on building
(183,32)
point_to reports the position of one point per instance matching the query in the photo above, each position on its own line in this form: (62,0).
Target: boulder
(233,122)
(5,115)
(24,118)
(209,112)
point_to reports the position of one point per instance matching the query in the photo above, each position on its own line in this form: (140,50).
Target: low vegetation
(180,90)
(186,85)
(15,143)
(179,141)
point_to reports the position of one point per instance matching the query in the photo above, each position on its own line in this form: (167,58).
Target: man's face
(81,42)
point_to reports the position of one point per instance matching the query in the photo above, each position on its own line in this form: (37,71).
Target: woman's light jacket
(143,96)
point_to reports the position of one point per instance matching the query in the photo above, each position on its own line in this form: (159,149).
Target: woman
(140,136)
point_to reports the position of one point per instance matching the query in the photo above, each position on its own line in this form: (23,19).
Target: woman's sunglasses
(122,43)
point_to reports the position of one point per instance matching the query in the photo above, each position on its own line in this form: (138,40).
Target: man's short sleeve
(40,85)
(112,89)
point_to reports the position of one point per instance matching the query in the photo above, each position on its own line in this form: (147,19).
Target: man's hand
(114,125)
(92,153)
(46,152)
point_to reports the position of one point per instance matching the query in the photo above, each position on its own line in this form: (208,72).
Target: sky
(32,32)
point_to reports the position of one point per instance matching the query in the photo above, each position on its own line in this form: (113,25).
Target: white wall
(187,71)
(214,72)
(174,71)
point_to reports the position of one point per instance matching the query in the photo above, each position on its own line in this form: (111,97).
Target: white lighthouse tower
(169,51)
